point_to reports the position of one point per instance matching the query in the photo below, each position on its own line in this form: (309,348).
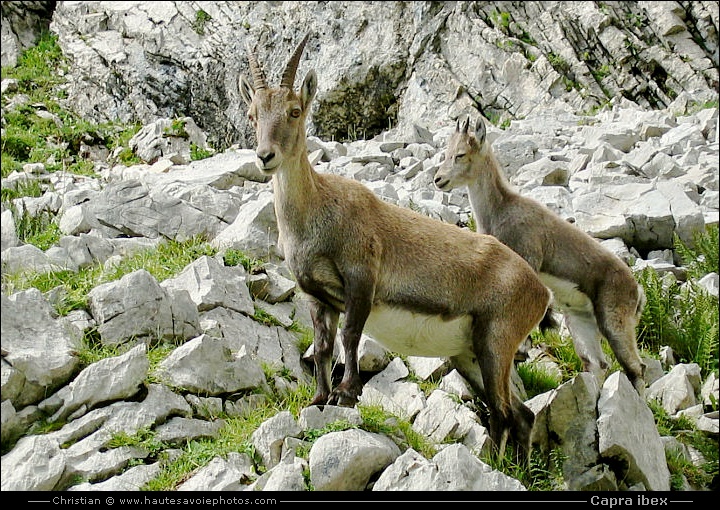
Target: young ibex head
(464,149)
(278,113)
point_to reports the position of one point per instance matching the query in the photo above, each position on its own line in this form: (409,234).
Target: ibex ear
(247,91)
(308,89)
(480,131)
(465,124)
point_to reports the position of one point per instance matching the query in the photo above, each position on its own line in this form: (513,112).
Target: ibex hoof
(319,400)
(342,398)
(639,385)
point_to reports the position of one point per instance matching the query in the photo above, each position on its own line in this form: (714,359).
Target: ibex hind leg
(619,329)
(521,433)
(467,366)
(508,416)
(496,399)
(587,341)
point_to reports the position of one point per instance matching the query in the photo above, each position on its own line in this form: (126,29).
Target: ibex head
(278,113)
(464,148)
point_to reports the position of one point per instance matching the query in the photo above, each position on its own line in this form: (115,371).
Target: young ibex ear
(247,91)
(465,124)
(308,89)
(480,131)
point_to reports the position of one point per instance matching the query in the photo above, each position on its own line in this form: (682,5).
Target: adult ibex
(417,285)
(592,286)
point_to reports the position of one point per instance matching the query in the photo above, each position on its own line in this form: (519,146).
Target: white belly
(417,334)
(566,296)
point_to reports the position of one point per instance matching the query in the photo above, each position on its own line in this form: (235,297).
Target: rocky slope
(606,431)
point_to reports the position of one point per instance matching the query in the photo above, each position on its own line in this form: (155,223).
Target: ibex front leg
(358,303)
(325,321)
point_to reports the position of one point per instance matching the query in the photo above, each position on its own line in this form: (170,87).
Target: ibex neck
(294,188)
(488,193)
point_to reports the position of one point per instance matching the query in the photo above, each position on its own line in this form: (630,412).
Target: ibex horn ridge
(258,76)
(288,77)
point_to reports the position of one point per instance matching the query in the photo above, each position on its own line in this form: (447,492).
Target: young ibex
(417,285)
(593,287)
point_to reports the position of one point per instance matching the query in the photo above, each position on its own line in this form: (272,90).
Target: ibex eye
(459,156)
(295,113)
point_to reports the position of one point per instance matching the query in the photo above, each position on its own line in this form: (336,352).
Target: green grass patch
(681,316)
(233,257)
(198,153)
(377,420)
(304,334)
(164,261)
(558,63)
(235,436)
(263,317)
(57,142)
(143,438)
(543,472)
(536,380)
(94,350)
(201,19)
(36,69)
(560,349)
(41,231)
(684,430)
(696,106)
(701,255)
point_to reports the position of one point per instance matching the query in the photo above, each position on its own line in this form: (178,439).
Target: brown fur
(555,247)
(354,254)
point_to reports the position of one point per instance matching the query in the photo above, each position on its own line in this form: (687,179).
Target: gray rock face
(624,424)
(9,236)
(40,461)
(110,379)
(230,371)
(454,468)
(558,416)
(345,461)
(137,306)
(221,474)
(211,284)
(129,209)
(37,348)
(384,63)
(22,24)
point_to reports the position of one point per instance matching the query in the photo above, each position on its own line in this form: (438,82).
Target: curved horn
(288,77)
(480,131)
(257,73)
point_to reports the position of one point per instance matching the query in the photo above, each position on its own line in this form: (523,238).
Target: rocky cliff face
(22,22)
(382,64)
